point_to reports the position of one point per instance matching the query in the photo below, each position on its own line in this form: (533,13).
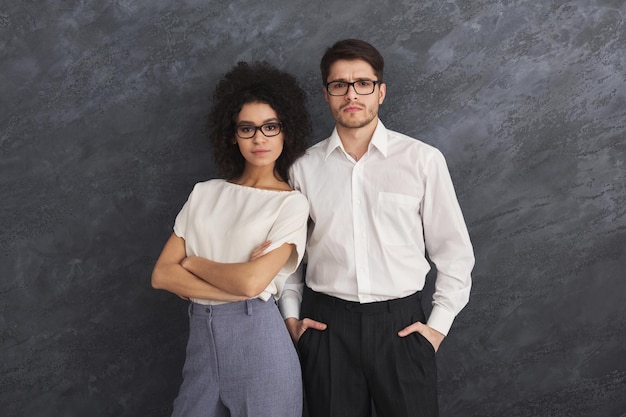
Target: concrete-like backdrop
(102,120)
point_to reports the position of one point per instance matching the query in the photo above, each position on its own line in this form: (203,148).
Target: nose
(351,94)
(258,136)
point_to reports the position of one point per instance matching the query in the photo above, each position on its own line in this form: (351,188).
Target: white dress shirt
(372,221)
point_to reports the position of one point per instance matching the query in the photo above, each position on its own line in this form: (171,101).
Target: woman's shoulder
(214,183)
(297,200)
(206,189)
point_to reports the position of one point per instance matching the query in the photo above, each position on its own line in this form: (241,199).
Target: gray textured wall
(102,117)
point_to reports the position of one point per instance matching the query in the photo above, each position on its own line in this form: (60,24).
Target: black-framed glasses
(268,129)
(362,87)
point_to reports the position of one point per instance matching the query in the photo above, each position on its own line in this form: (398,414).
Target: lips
(260,151)
(352,109)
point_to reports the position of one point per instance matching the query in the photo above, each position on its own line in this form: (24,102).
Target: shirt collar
(379,140)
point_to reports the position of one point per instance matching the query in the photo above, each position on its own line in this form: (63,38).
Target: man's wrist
(440,320)
(289,307)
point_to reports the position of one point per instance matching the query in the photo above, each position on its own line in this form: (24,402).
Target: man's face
(354,110)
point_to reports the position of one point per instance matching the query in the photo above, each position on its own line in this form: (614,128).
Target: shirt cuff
(441,320)
(289,307)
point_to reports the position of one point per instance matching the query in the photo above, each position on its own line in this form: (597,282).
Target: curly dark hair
(258,82)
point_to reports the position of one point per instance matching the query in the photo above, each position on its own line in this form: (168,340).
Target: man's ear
(382,93)
(325,91)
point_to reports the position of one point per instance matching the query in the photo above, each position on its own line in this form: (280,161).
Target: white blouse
(225,222)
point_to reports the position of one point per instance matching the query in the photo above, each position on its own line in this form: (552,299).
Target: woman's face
(259,120)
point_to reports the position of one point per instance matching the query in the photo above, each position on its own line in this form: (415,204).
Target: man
(379,200)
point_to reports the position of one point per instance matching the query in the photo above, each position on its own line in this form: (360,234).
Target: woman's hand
(260,250)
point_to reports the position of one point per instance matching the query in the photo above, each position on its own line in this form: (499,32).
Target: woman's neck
(262,179)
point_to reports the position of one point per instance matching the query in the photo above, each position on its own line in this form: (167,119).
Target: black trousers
(360,360)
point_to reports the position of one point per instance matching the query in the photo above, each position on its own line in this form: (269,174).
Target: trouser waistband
(246,306)
(396,304)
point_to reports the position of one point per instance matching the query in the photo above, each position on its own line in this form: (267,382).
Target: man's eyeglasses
(268,130)
(362,87)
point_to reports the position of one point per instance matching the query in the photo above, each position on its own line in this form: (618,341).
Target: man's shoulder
(404,139)
(318,148)
(399,142)
(314,153)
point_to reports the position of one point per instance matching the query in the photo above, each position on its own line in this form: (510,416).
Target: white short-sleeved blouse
(224,222)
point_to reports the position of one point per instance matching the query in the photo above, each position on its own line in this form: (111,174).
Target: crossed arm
(198,277)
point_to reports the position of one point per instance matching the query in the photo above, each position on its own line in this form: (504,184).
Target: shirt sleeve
(289,302)
(290,227)
(448,245)
(291,297)
(180,224)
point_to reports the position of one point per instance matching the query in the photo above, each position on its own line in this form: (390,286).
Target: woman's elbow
(157,279)
(251,291)
(253,286)
(246,294)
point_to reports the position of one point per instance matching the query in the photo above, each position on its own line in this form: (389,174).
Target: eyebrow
(343,80)
(273,119)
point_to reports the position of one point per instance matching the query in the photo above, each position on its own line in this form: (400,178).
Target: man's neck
(356,140)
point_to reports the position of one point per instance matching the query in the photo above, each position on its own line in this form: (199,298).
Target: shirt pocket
(396,218)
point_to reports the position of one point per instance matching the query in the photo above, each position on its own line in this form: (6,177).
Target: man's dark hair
(350,50)
(251,83)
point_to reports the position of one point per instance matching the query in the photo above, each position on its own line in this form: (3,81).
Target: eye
(270,127)
(338,85)
(245,129)
(365,83)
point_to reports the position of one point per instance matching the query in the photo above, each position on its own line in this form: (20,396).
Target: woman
(235,242)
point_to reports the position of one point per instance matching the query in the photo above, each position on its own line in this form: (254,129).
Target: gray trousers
(240,362)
